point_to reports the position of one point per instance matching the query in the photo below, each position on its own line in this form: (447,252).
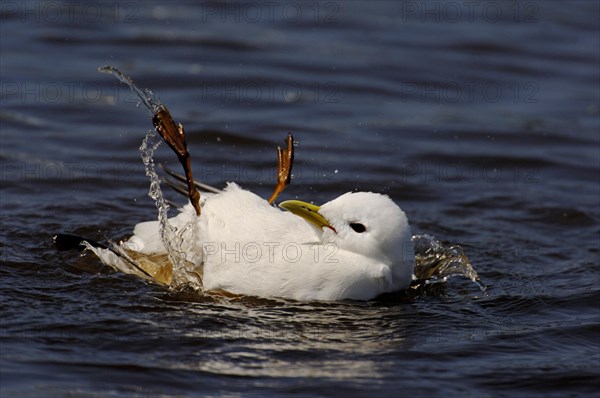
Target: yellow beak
(307,211)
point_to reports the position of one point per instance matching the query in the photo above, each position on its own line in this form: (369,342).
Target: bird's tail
(152,267)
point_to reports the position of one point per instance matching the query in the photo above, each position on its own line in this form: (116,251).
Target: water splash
(168,233)
(437,262)
(146,96)
(184,265)
(181,243)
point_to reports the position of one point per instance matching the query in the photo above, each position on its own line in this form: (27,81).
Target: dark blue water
(480,119)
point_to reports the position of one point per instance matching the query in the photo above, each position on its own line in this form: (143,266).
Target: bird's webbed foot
(285,159)
(174,136)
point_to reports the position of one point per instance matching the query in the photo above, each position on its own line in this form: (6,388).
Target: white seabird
(356,246)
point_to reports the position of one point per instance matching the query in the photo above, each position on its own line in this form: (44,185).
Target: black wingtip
(64,242)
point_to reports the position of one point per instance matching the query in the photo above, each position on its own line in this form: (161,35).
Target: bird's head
(366,223)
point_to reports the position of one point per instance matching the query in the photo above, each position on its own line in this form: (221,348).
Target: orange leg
(175,137)
(285,159)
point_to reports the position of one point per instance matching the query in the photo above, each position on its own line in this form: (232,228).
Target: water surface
(483,127)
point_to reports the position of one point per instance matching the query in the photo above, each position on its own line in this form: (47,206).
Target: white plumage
(357,246)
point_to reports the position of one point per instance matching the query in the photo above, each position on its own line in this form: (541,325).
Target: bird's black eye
(358,227)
